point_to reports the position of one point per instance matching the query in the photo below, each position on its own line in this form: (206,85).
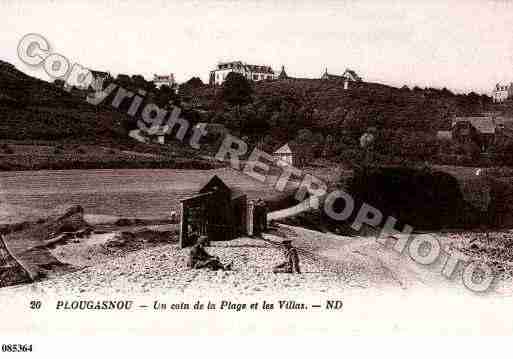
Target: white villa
(251,72)
(501,92)
(284,155)
(160,80)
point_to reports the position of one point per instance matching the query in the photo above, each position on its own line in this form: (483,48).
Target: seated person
(291,264)
(199,258)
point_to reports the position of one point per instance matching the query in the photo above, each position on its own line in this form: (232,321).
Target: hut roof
(216,184)
(285,150)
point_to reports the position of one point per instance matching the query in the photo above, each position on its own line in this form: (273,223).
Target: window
(255,77)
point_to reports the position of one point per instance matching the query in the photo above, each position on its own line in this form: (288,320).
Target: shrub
(58,150)
(5,148)
(419,197)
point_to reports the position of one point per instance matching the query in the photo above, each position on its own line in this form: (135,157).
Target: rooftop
(247,67)
(483,124)
(348,74)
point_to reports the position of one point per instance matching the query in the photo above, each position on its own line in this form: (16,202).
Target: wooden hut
(218,212)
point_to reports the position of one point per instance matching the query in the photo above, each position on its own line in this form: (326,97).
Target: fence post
(183,225)
(251,210)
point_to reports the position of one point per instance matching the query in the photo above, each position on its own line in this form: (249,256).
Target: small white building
(159,80)
(349,76)
(250,72)
(502,92)
(444,135)
(284,155)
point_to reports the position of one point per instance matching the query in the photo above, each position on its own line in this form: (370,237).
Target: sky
(462,45)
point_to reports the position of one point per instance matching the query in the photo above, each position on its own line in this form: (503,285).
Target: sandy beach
(330,264)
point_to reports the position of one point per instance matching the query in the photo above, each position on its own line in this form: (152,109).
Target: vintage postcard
(255,167)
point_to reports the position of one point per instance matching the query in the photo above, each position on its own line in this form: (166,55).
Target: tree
(195,82)
(446,93)
(123,80)
(192,84)
(140,83)
(188,89)
(164,96)
(236,89)
(59,83)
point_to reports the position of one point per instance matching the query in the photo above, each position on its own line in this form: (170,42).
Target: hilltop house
(160,80)
(348,76)
(250,72)
(284,155)
(502,93)
(100,80)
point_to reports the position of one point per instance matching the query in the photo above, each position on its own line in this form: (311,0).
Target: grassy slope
(43,126)
(280,111)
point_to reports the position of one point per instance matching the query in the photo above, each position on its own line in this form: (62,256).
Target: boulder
(122,240)
(12,272)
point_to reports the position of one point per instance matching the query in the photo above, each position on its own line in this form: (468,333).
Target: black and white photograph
(285,167)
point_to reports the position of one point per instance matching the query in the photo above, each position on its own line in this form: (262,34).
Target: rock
(153,237)
(121,240)
(71,220)
(68,212)
(84,233)
(124,222)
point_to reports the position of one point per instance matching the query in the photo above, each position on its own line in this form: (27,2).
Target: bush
(6,149)
(502,172)
(58,150)
(419,197)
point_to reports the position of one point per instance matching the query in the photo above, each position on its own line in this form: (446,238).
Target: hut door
(194,218)
(220,226)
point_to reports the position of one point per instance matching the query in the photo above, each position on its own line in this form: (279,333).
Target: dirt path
(305,206)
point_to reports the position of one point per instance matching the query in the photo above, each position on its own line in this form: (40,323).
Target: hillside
(34,109)
(322,119)
(319,117)
(44,127)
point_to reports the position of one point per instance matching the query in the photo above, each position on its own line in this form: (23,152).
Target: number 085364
(16,348)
